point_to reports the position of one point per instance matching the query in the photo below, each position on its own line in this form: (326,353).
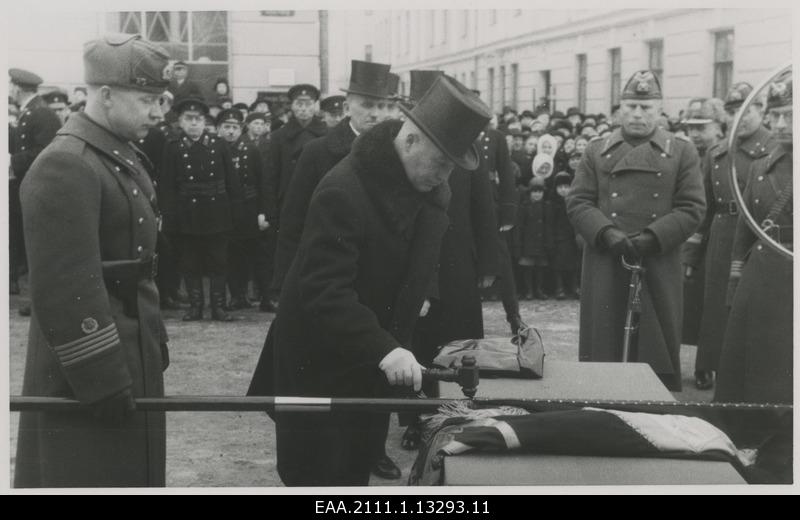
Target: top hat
(452,117)
(369,79)
(421,82)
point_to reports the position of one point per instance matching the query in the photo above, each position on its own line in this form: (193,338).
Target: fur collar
(380,171)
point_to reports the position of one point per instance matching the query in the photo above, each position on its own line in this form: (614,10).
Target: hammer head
(468,376)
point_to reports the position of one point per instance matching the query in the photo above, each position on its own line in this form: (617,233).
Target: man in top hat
(180,86)
(201,199)
(365,263)
(36,127)
(332,109)
(246,252)
(58,101)
(756,360)
(367,103)
(639,194)
(713,242)
(91,219)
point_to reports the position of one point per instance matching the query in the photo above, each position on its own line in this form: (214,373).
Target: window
(368,52)
(655,59)
(514,84)
(582,82)
(546,99)
(723,63)
(490,88)
(193,36)
(615,59)
(502,86)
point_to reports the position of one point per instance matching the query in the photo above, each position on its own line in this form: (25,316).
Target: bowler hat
(125,60)
(421,82)
(303,89)
(452,117)
(190,103)
(24,78)
(642,85)
(369,79)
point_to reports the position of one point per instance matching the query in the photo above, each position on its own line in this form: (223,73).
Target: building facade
(581,58)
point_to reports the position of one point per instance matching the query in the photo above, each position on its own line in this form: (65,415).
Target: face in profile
(429,166)
(131,113)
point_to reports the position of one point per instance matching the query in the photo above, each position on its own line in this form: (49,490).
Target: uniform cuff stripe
(91,354)
(86,342)
(93,335)
(89,348)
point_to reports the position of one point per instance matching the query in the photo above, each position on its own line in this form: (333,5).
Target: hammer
(467,375)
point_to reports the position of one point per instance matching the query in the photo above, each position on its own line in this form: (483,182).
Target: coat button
(760,178)
(613,215)
(615,195)
(212,173)
(212,162)
(654,215)
(213,199)
(717,183)
(663,155)
(759,247)
(140,249)
(757,201)
(116,152)
(716,166)
(188,166)
(117,168)
(608,156)
(194,201)
(141,220)
(659,174)
(22,148)
(719,199)
(135,192)
(191,177)
(186,155)
(23,136)
(656,195)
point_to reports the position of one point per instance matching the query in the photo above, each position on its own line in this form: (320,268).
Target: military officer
(247,253)
(332,110)
(756,360)
(637,193)
(496,160)
(36,127)
(58,101)
(96,334)
(705,127)
(201,198)
(714,240)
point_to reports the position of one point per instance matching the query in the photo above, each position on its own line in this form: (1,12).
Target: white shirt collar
(353,128)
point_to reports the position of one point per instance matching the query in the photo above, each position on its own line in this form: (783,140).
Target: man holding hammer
(365,264)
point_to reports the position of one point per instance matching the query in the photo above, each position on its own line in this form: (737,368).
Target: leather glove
(618,242)
(401,369)
(645,244)
(116,408)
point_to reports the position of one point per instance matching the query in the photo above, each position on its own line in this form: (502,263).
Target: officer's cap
(706,111)
(780,91)
(737,94)
(332,104)
(642,85)
(125,60)
(230,115)
(56,96)
(190,103)
(303,89)
(562,178)
(24,78)
(252,116)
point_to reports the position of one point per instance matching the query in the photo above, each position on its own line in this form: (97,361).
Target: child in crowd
(531,240)
(563,248)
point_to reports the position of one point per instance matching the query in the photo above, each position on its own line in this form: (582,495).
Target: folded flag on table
(581,431)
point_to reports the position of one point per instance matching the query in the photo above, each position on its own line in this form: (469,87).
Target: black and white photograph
(384,248)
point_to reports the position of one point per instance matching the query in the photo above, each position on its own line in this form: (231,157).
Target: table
(574,380)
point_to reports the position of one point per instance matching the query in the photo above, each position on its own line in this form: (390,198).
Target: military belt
(732,208)
(782,234)
(202,189)
(122,278)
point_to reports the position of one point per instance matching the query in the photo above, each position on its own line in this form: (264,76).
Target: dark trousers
(16,243)
(248,258)
(169,276)
(272,289)
(505,278)
(204,255)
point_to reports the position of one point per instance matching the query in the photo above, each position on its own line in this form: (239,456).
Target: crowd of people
(372,224)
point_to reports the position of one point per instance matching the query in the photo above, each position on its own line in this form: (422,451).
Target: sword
(630,341)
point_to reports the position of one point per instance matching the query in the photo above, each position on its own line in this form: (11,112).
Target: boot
(527,278)
(194,289)
(558,282)
(218,300)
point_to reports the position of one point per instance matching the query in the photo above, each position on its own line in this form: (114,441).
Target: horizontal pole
(327,404)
